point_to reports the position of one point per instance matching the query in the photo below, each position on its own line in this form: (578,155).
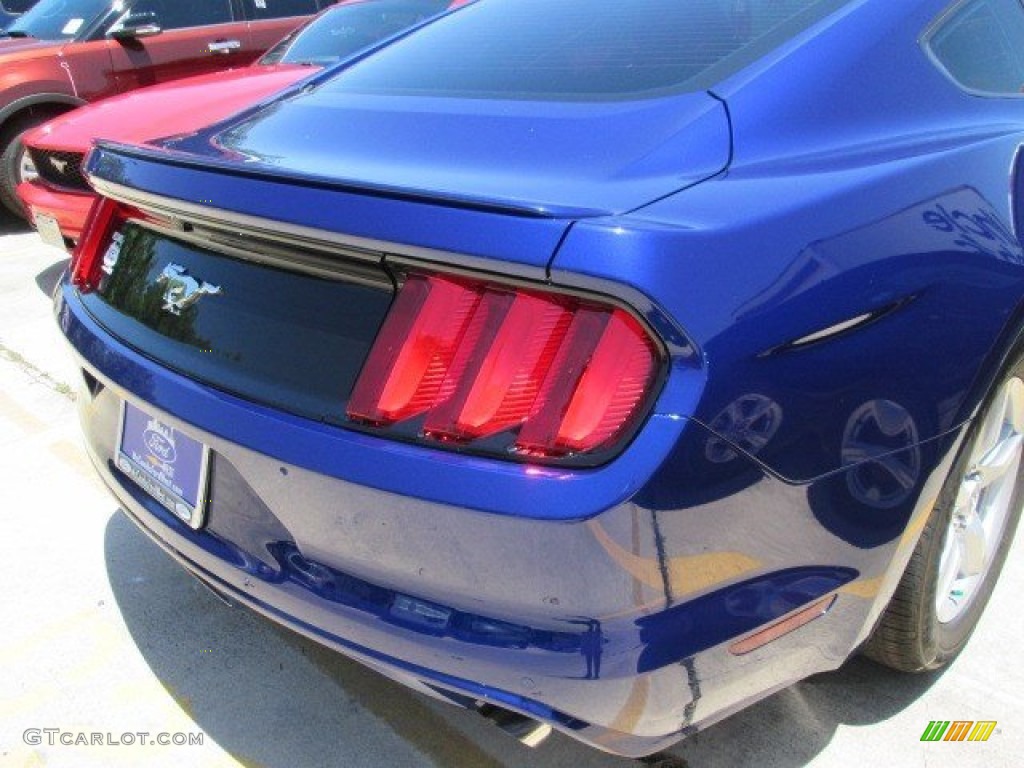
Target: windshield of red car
(59,19)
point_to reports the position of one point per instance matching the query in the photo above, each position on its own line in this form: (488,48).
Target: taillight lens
(501,369)
(105,217)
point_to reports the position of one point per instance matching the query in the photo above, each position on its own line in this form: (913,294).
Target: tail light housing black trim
(477,364)
(504,370)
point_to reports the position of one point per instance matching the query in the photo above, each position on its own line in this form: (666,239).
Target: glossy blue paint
(826,243)
(605,598)
(684,630)
(891,202)
(526,240)
(548,157)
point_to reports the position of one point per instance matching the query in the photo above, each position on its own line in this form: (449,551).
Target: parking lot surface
(104,634)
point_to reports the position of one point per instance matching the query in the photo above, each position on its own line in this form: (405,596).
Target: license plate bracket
(167,464)
(49,230)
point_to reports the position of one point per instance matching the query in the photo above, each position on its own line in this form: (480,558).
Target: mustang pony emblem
(60,165)
(182,290)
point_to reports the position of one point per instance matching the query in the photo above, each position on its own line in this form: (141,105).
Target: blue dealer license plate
(169,465)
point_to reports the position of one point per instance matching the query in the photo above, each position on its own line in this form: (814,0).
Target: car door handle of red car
(224,46)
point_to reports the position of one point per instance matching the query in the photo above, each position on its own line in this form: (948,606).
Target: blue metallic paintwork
(915,218)
(524,241)
(849,196)
(616,574)
(545,156)
(937,289)
(727,613)
(562,159)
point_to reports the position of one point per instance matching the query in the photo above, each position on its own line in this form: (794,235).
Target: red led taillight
(405,371)
(465,361)
(105,217)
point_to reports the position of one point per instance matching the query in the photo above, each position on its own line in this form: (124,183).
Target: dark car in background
(12,9)
(62,54)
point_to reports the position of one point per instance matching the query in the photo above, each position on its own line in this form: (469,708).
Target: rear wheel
(16,164)
(963,546)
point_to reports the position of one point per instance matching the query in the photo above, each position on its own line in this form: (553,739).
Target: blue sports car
(604,366)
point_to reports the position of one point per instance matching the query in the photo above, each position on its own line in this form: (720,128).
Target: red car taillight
(104,218)
(465,361)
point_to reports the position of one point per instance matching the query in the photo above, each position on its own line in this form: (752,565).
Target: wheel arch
(37,102)
(1010,342)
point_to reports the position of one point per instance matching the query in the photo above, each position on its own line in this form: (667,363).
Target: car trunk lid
(561,159)
(279,304)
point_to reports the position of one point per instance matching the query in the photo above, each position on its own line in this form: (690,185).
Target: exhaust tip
(525,729)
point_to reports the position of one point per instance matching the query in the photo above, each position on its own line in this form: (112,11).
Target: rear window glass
(583,49)
(346,29)
(981,46)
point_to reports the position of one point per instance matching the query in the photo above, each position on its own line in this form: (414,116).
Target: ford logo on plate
(160,445)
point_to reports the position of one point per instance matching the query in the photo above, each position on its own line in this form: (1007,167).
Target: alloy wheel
(983,503)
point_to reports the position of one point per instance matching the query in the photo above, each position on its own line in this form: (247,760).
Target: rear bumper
(608,616)
(70,209)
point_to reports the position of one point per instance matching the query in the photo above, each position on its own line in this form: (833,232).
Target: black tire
(909,636)
(11,151)
(663,760)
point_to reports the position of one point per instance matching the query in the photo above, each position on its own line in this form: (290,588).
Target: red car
(59,197)
(62,54)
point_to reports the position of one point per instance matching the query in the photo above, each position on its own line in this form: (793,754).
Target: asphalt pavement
(101,634)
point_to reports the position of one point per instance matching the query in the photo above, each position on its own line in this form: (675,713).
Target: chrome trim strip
(299,236)
(264,253)
(832,330)
(180,159)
